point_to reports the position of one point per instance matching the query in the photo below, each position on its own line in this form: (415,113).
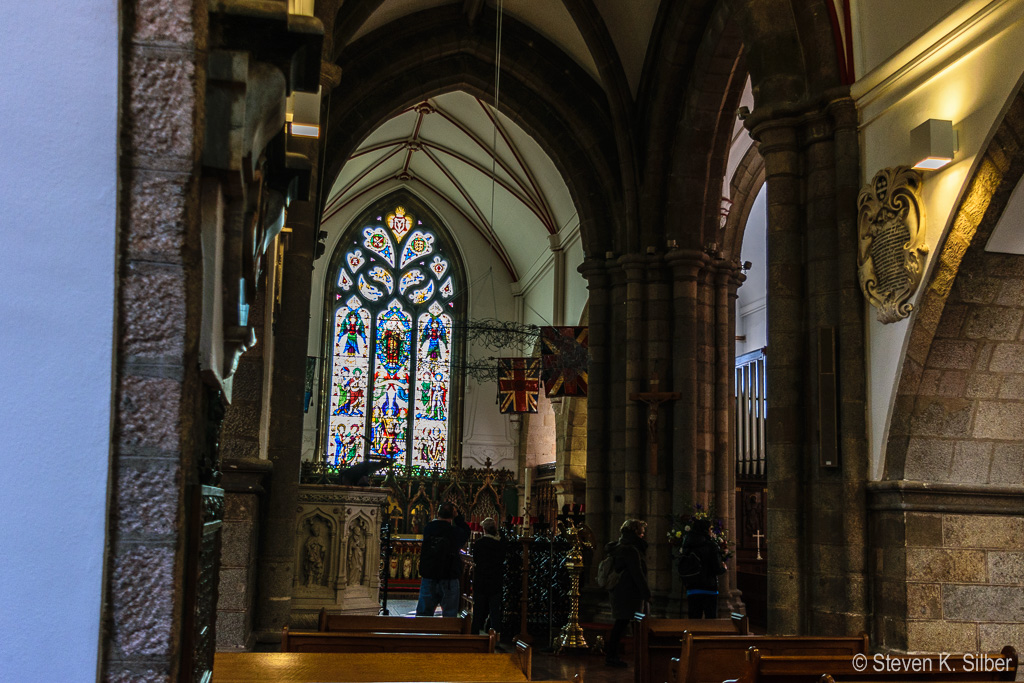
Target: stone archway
(951,495)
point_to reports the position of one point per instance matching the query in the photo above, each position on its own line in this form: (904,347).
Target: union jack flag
(518,384)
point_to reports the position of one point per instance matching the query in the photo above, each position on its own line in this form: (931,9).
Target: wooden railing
(751,403)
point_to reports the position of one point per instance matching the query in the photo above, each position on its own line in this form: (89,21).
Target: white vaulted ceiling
(448,147)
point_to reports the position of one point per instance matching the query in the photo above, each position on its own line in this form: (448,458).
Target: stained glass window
(392,307)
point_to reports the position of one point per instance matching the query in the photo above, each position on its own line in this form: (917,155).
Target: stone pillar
(814,511)
(153,475)
(617,448)
(786,367)
(244,495)
(735,281)
(686,266)
(633,357)
(657,487)
(705,354)
(598,393)
(286,418)
(725,456)
(851,364)
(598,491)
(558,266)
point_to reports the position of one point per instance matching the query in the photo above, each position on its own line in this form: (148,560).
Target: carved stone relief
(315,557)
(891,249)
(347,580)
(357,541)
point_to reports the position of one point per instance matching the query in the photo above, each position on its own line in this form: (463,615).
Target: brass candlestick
(572,633)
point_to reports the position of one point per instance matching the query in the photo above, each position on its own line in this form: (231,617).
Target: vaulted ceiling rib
(454,146)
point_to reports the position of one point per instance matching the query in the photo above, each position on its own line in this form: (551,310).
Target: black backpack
(690,567)
(436,557)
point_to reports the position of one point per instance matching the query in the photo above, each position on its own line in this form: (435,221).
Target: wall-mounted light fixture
(933,144)
(303,114)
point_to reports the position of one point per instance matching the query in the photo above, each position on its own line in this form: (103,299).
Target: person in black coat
(702,590)
(440,563)
(632,591)
(489,558)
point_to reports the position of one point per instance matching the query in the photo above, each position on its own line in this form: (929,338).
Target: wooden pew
(907,668)
(657,641)
(707,659)
(351,641)
(361,667)
(367,623)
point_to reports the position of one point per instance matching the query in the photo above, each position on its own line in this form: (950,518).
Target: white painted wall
(538,297)
(752,296)
(876,20)
(58,102)
(576,293)
(964,69)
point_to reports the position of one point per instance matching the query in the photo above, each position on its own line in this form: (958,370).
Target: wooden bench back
(347,641)
(706,659)
(812,669)
(657,641)
(359,667)
(393,624)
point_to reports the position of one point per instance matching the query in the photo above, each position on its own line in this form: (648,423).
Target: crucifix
(757,538)
(653,399)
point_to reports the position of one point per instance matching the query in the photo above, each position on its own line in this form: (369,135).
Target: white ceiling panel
(630,24)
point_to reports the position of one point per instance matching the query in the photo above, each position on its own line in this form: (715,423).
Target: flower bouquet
(681,524)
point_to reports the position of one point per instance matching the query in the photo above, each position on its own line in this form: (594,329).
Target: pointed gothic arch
(394,306)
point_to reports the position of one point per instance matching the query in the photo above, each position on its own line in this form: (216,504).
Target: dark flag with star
(564,354)
(518,384)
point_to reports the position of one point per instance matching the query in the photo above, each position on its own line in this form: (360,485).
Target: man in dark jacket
(440,564)
(631,591)
(489,558)
(702,590)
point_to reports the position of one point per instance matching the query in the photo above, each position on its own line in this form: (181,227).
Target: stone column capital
(594,271)
(656,266)
(843,111)
(686,264)
(634,266)
(776,134)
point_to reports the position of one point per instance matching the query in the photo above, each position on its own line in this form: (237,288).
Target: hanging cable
(497,91)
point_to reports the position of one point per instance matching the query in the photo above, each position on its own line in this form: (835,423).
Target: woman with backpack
(699,566)
(630,591)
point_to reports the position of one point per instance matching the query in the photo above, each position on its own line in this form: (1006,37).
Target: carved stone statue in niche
(357,552)
(407,567)
(891,249)
(316,553)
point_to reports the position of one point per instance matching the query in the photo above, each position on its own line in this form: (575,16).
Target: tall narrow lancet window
(392,343)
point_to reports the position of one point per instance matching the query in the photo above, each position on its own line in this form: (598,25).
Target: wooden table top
(320,667)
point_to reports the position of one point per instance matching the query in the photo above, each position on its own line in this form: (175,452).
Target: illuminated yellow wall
(964,68)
